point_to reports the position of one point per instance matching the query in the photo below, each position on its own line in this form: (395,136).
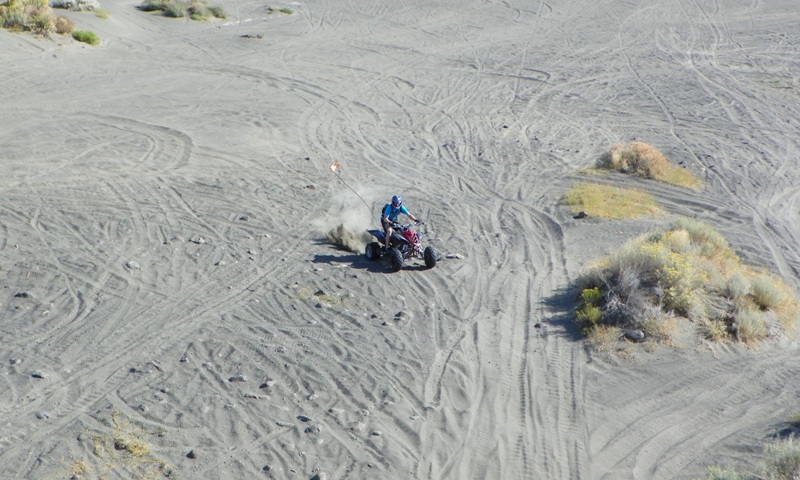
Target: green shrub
(782,460)
(716,473)
(154,5)
(217,11)
(749,327)
(738,286)
(766,292)
(86,36)
(175,10)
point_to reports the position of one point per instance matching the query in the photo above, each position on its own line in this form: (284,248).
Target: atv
(404,244)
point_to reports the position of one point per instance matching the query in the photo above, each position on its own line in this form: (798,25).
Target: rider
(389,216)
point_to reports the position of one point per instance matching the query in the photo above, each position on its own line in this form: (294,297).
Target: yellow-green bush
(28,15)
(689,270)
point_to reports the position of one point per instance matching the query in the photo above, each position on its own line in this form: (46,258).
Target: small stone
(266,468)
(198,240)
(38,375)
(376,433)
(192,454)
(120,444)
(244,218)
(22,295)
(303,418)
(457,256)
(312,429)
(42,415)
(184,359)
(131,265)
(15,361)
(537,325)
(237,378)
(221,263)
(580,215)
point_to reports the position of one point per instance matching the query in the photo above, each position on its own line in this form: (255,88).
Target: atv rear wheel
(395,260)
(373,251)
(430,257)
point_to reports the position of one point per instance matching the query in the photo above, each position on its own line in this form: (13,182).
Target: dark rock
(38,375)
(580,215)
(237,378)
(22,295)
(303,418)
(537,325)
(634,335)
(192,454)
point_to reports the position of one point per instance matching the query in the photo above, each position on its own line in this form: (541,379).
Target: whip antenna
(333,168)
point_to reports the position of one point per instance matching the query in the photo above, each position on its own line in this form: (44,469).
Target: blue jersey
(392,212)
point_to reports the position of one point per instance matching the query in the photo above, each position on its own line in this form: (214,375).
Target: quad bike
(404,244)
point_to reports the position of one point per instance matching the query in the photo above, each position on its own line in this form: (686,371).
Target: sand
(167,283)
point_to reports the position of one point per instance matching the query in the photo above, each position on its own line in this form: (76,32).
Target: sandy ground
(166,279)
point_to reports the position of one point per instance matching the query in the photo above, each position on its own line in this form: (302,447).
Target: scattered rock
(320,476)
(131,265)
(580,215)
(198,240)
(184,359)
(76,5)
(249,35)
(303,418)
(256,396)
(455,256)
(634,335)
(537,325)
(22,295)
(312,429)
(42,415)
(284,424)
(237,378)
(266,468)
(39,375)
(192,454)
(311,187)
(376,433)
(244,218)
(120,444)
(15,361)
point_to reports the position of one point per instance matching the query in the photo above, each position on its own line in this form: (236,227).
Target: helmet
(397,200)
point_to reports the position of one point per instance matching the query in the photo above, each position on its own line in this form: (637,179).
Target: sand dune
(167,282)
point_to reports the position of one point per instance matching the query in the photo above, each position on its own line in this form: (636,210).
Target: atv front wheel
(430,257)
(373,251)
(395,260)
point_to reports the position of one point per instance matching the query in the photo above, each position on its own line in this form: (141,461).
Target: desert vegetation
(645,160)
(780,461)
(284,10)
(607,201)
(86,36)
(688,272)
(194,9)
(28,15)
